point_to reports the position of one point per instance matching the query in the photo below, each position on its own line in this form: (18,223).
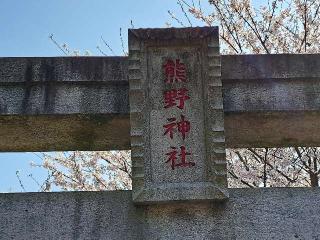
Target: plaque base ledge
(168,193)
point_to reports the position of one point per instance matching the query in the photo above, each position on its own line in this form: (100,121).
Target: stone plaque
(176,113)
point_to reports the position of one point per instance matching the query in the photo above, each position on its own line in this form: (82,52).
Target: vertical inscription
(175,72)
(176,119)
(176,115)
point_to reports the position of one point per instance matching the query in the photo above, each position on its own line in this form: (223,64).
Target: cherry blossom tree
(86,171)
(278,26)
(274,167)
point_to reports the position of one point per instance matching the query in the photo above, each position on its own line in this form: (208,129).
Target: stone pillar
(176,115)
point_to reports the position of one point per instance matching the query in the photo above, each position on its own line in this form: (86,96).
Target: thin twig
(199,5)
(102,52)
(176,19)
(122,43)
(232,174)
(184,12)
(31,176)
(57,44)
(108,46)
(20,182)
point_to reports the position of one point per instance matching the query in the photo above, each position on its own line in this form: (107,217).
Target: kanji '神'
(175,97)
(183,154)
(183,127)
(174,71)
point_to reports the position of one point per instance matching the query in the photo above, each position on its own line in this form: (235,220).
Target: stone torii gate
(187,103)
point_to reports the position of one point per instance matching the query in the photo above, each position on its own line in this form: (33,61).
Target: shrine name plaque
(176,115)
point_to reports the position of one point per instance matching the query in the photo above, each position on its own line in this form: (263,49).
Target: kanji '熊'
(175,71)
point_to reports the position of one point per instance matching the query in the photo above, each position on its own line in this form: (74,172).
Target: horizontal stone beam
(271,100)
(81,103)
(269,213)
(64,103)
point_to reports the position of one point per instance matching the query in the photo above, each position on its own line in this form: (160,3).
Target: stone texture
(271,100)
(64,103)
(154,178)
(63,85)
(272,213)
(67,91)
(249,214)
(95,132)
(72,215)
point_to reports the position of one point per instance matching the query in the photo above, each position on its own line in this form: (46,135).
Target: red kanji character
(183,127)
(173,95)
(170,127)
(172,157)
(174,71)
(182,97)
(170,98)
(183,154)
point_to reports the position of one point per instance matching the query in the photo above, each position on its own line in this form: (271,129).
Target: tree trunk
(314,179)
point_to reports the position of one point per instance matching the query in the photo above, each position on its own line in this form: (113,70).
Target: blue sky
(25,27)
(11,163)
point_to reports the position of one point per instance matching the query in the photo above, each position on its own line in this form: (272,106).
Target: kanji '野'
(173,158)
(175,97)
(175,71)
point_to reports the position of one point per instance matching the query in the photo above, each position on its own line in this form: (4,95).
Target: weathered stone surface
(173,166)
(272,213)
(64,132)
(249,214)
(62,86)
(72,215)
(271,100)
(64,103)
